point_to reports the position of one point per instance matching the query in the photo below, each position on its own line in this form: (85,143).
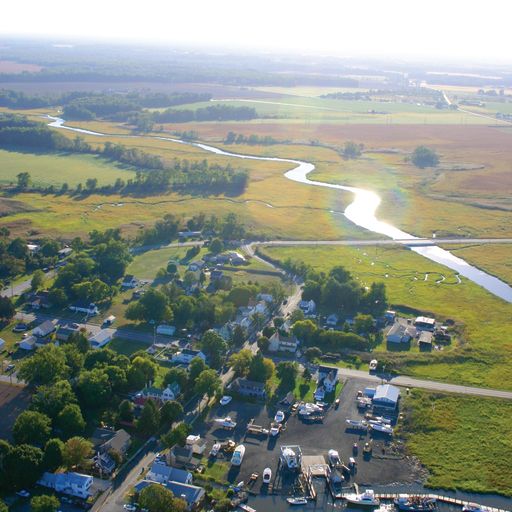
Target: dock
(438,497)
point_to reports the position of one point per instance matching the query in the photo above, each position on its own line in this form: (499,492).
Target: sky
(473,31)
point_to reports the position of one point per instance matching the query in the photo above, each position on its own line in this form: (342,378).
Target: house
(160,472)
(249,388)
(40,300)
(425,340)
(236,258)
(33,248)
(101,338)
(390,316)
(328,378)
(280,343)
(74,484)
(386,396)
(181,456)
(424,323)
(44,329)
(197,442)
(267,297)
(64,332)
(171,392)
(64,253)
(189,234)
(186,355)
(28,343)
(400,333)
(196,265)
(129,281)
(332,320)
(166,330)
(307,306)
(192,494)
(85,307)
(216,275)
(105,440)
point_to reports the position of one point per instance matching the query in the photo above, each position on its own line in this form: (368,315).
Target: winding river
(362,212)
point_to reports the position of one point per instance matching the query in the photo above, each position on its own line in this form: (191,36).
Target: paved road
(20,288)
(411,382)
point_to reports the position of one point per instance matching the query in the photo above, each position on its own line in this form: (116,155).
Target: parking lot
(383,467)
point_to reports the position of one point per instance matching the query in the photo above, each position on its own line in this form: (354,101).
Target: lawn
(484,356)
(55,169)
(126,347)
(465,442)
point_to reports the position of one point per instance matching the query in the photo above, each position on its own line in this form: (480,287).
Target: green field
(465,442)
(484,355)
(55,169)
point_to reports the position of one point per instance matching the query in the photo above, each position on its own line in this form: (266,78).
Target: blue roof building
(386,396)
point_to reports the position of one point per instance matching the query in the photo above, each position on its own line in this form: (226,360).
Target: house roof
(249,384)
(425,337)
(102,435)
(101,336)
(402,331)
(190,493)
(128,277)
(326,370)
(46,327)
(84,304)
(386,393)
(170,473)
(119,440)
(65,479)
(182,451)
(425,320)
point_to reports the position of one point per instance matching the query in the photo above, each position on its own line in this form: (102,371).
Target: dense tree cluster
(210,113)
(424,157)
(252,140)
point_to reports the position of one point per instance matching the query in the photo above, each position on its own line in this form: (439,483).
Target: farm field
(483,357)
(465,442)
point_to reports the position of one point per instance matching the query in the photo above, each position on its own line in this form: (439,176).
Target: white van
(109,320)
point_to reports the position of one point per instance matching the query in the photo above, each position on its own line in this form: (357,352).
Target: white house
(28,343)
(186,355)
(101,338)
(400,333)
(236,258)
(425,323)
(129,281)
(386,396)
(162,473)
(85,307)
(307,306)
(332,320)
(44,329)
(171,392)
(74,484)
(167,330)
(279,343)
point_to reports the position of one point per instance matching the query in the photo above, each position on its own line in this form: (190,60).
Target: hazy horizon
(458,31)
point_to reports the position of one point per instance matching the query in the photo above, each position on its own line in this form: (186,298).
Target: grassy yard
(465,442)
(484,357)
(126,347)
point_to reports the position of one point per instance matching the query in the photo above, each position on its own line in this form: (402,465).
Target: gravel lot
(314,439)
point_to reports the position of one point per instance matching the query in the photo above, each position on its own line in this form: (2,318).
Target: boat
(275,428)
(366,498)
(379,427)
(352,462)
(215,450)
(307,409)
(290,458)
(357,424)
(279,417)
(336,480)
(225,400)
(267,475)
(474,507)
(385,508)
(367,448)
(355,448)
(297,501)
(238,455)
(406,503)
(246,508)
(226,422)
(334,458)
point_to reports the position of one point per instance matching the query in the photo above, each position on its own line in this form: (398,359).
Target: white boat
(308,409)
(410,503)
(357,424)
(379,427)
(279,417)
(290,458)
(385,508)
(474,507)
(226,422)
(366,498)
(215,450)
(238,455)
(275,429)
(297,501)
(225,400)
(267,475)
(334,458)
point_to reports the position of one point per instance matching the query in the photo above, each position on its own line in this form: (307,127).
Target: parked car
(10,368)
(23,494)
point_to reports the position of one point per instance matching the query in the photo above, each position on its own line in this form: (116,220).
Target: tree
(241,362)
(70,421)
(94,388)
(53,454)
(208,382)
(44,503)
(312,291)
(178,375)
(239,296)
(171,412)
(32,427)
(263,343)
(287,372)
(351,150)
(363,324)
(195,368)
(424,157)
(142,371)
(216,246)
(297,314)
(214,347)
(305,331)
(23,180)
(3,507)
(77,451)
(156,498)
(7,309)
(312,353)
(149,419)
(91,184)
(176,436)
(172,268)
(23,466)
(46,366)
(50,400)
(307,375)
(37,280)
(151,306)
(261,368)
(125,411)
(58,297)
